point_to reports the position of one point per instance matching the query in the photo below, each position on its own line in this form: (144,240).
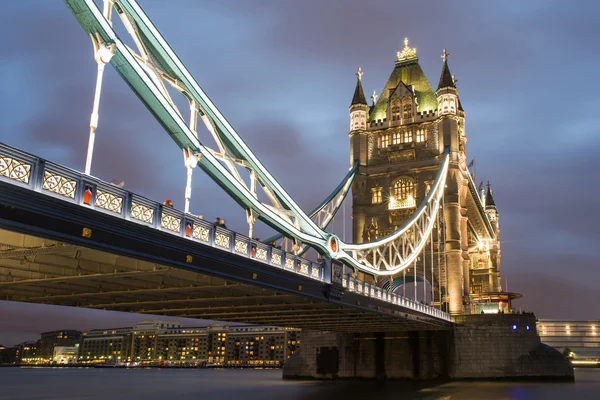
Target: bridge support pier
(378,355)
(481,347)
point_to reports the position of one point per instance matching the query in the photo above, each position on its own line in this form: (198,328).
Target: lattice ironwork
(109,201)
(15,169)
(304,268)
(170,222)
(275,259)
(261,254)
(222,240)
(289,264)
(201,233)
(241,247)
(153,65)
(314,273)
(59,184)
(142,213)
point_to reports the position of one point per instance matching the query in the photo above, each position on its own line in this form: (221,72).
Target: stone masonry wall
(478,347)
(502,346)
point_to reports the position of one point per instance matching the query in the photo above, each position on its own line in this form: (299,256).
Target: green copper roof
(410,73)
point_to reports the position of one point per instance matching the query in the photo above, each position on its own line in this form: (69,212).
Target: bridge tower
(399,141)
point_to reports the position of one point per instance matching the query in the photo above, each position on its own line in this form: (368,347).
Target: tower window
(396,138)
(420,136)
(402,194)
(407,137)
(403,188)
(376,195)
(407,110)
(385,141)
(395,106)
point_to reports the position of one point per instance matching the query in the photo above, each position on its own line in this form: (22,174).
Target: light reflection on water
(155,384)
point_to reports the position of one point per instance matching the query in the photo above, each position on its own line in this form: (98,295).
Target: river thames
(155,384)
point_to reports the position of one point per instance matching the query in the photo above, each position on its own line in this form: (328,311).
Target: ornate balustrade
(366,289)
(22,169)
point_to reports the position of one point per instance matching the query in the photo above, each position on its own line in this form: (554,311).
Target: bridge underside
(56,252)
(49,272)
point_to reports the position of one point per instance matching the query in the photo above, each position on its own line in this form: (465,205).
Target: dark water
(172,384)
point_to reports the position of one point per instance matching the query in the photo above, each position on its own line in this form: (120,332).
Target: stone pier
(477,347)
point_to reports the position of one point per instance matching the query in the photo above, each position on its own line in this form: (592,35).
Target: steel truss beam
(156,65)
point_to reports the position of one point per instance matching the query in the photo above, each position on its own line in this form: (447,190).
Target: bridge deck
(68,253)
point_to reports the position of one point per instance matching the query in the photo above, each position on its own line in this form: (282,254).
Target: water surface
(172,384)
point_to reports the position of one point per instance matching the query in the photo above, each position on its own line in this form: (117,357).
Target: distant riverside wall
(478,347)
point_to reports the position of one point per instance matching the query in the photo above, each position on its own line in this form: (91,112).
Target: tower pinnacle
(446,79)
(407,53)
(359,94)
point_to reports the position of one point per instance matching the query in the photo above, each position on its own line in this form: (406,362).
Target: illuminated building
(50,340)
(581,338)
(106,345)
(162,343)
(398,142)
(65,354)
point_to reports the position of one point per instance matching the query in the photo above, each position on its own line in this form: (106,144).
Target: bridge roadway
(72,240)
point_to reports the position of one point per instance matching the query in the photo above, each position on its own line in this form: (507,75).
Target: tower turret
(359,108)
(490,209)
(447,94)
(359,113)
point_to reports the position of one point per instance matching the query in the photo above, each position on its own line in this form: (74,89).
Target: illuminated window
(385,141)
(407,110)
(376,195)
(395,138)
(420,136)
(403,188)
(395,108)
(407,136)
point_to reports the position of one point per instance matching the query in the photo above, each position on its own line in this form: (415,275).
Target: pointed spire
(446,79)
(489,199)
(359,94)
(374,97)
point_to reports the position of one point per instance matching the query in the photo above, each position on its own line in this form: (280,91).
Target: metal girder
(77,278)
(35,251)
(147,72)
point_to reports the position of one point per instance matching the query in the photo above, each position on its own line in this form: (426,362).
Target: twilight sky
(282,72)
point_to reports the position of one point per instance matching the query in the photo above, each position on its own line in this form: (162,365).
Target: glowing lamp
(87,196)
(514,327)
(188,230)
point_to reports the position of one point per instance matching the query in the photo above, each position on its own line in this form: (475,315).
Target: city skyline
(524,76)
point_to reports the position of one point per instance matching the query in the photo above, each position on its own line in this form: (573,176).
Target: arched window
(395,108)
(385,141)
(402,194)
(420,136)
(407,110)
(376,197)
(403,189)
(408,136)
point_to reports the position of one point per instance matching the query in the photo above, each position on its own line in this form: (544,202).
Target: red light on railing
(87,196)
(188,230)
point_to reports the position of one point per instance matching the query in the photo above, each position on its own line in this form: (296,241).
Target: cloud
(283,74)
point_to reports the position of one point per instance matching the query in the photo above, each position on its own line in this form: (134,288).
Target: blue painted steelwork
(24,170)
(145,74)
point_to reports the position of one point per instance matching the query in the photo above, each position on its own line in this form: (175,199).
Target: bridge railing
(366,289)
(23,169)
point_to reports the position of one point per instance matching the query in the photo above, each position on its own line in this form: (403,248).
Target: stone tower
(399,141)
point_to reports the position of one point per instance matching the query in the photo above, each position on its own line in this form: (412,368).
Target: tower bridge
(425,243)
